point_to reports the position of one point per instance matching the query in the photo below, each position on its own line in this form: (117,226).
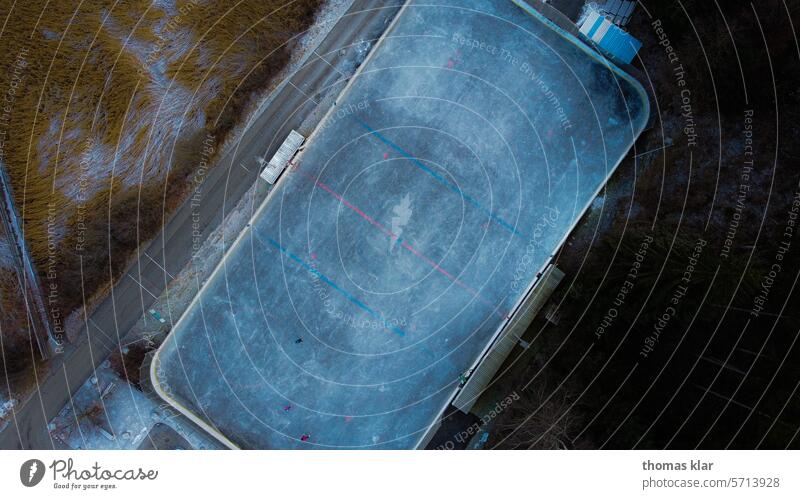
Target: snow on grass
(7,406)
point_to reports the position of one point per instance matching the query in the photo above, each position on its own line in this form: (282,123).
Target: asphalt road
(165,256)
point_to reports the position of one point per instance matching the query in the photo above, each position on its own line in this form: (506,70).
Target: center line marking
(302,92)
(438,177)
(142,286)
(402,242)
(158,265)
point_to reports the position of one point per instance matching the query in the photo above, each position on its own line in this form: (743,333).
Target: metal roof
(618,11)
(611,39)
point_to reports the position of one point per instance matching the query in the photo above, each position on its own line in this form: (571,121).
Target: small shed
(612,40)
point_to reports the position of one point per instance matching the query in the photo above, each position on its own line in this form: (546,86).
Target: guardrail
(30,284)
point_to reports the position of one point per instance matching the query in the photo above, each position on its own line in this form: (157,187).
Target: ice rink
(416,218)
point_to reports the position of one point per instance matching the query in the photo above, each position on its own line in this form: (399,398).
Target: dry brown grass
(92,113)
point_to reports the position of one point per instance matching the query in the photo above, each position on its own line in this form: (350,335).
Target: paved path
(171,250)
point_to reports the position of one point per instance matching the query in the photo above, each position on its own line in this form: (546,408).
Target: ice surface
(448,175)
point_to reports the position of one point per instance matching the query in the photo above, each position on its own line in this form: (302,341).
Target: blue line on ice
(332,284)
(438,177)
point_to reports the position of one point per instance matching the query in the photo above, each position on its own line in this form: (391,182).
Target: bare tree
(540,420)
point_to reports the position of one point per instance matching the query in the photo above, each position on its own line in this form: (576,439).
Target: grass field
(107,106)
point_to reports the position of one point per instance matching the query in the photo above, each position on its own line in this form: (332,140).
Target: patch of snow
(7,258)
(328,15)
(50,34)
(7,406)
(108,413)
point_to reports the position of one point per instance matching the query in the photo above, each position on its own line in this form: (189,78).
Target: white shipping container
(284,154)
